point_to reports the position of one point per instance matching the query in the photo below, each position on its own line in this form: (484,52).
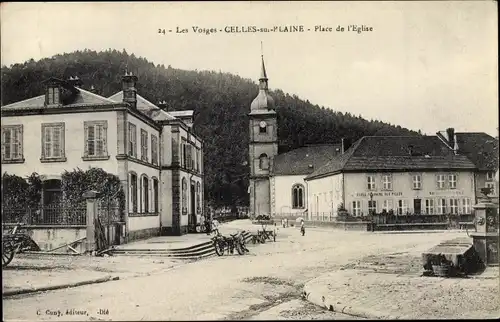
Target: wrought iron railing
(46,215)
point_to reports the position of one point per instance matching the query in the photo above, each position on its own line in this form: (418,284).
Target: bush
(77,182)
(18,192)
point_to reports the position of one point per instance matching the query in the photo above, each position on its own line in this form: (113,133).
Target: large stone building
(156,155)
(399,174)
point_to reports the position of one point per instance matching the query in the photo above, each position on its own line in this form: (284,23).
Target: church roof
(304,160)
(395,153)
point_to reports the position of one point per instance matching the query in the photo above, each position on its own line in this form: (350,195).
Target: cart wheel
(7,254)
(198,229)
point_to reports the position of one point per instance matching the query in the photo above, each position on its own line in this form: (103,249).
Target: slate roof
(83,98)
(480,148)
(392,153)
(296,162)
(146,107)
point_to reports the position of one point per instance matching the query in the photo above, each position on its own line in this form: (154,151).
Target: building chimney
(163,105)
(75,81)
(92,89)
(451,136)
(342,147)
(455,145)
(129,91)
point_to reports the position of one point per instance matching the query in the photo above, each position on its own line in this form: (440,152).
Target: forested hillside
(221,102)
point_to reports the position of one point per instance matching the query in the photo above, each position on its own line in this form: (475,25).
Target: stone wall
(51,237)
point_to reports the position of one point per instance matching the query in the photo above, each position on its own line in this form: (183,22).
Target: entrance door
(192,214)
(417,206)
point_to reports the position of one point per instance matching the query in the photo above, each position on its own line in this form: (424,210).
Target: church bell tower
(263,147)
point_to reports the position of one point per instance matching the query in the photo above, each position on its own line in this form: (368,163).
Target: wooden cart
(14,242)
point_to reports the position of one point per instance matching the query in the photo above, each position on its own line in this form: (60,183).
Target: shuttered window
(96,139)
(52,96)
(132,140)
(144,145)
(189,161)
(154,149)
(53,141)
(12,142)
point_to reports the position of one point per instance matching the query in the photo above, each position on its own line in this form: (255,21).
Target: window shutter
(56,95)
(91,140)
(56,135)
(14,150)
(48,142)
(4,142)
(100,140)
(104,137)
(193,157)
(189,156)
(153,149)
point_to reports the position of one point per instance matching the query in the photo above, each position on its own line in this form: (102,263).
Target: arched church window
(298,196)
(264,161)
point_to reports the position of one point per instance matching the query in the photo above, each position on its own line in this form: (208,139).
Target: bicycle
(222,243)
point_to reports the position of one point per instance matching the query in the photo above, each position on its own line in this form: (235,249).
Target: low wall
(415,226)
(142,227)
(343,225)
(51,236)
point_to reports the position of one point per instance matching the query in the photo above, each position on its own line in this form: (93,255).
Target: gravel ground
(34,271)
(266,282)
(392,284)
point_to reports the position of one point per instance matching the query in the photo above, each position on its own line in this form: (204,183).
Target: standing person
(215,226)
(302,228)
(207,226)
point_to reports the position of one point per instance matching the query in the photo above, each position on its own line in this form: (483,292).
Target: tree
(220,102)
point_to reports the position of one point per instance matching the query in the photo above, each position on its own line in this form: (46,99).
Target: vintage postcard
(251,160)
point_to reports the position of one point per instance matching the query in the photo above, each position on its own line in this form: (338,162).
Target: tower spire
(263,101)
(263,74)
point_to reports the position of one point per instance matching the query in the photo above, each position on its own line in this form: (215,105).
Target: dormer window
(53,95)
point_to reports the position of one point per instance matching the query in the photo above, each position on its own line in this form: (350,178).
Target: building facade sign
(379,194)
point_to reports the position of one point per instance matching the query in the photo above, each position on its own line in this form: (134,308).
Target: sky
(423,65)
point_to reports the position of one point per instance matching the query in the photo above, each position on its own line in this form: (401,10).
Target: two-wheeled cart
(14,242)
